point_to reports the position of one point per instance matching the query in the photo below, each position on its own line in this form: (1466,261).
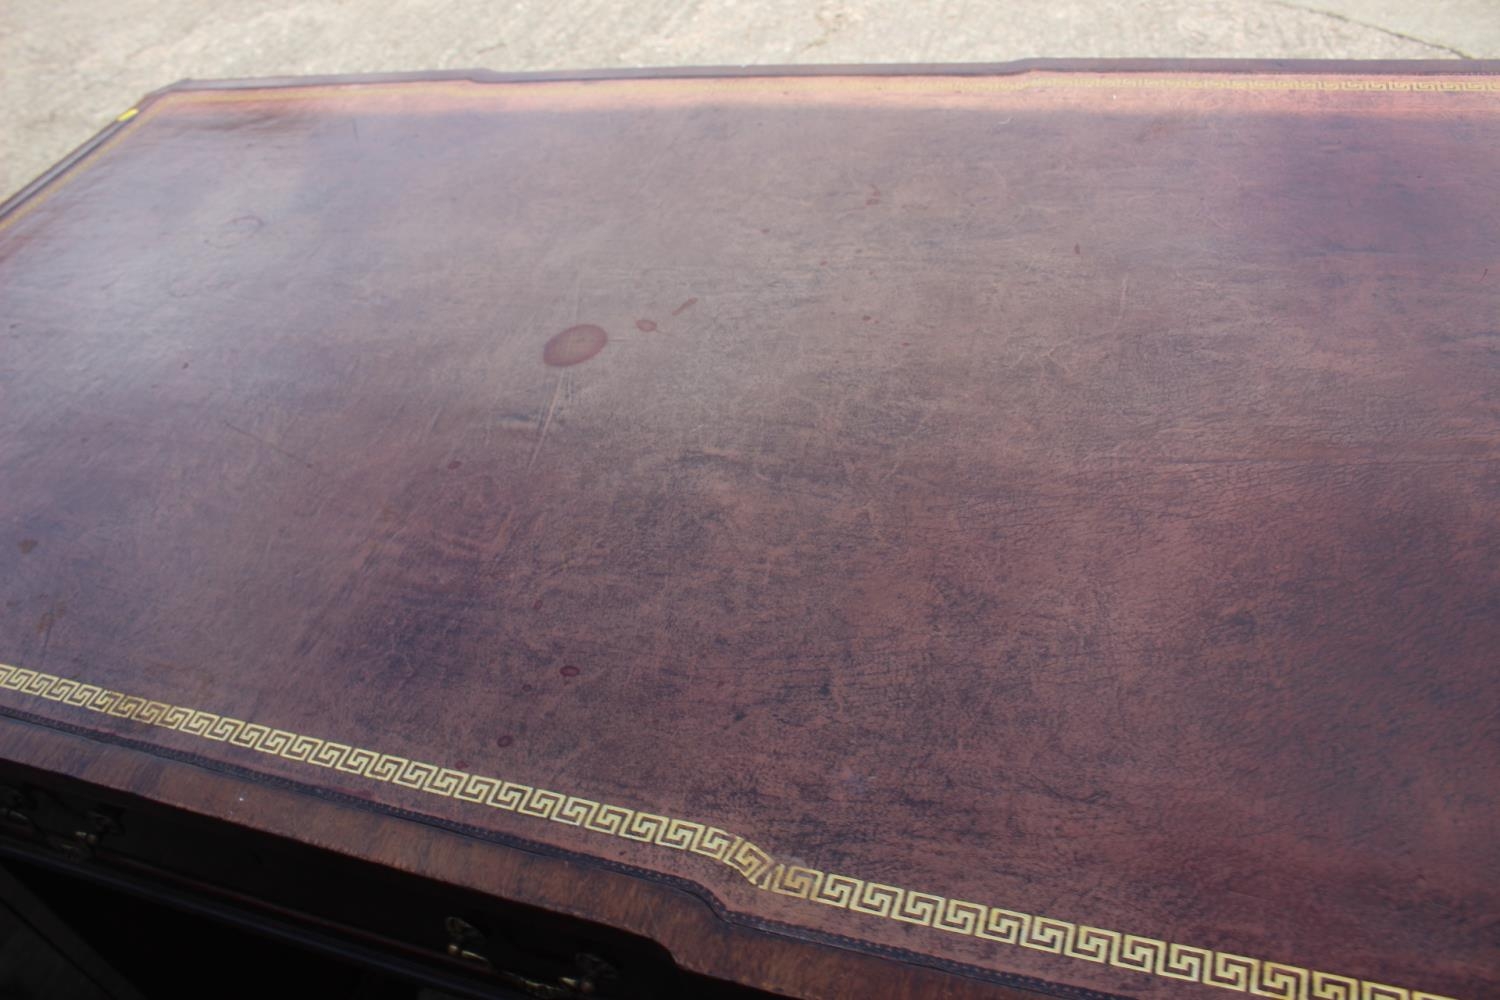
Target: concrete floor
(72,65)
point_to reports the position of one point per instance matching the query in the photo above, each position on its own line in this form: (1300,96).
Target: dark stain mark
(684,307)
(645,325)
(823,263)
(26,545)
(1239,627)
(503,741)
(460,763)
(536,605)
(569,671)
(765,232)
(49,618)
(1077,250)
(866,318)
(739,715)
(1159,129)
(455,464)
(1042,788)
(185,364)
(236,230)
(872,201)
(574,345)
(526,689)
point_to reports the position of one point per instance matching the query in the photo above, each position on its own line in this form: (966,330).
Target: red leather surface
(1073,496)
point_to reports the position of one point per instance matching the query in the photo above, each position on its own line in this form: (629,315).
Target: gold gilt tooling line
(1134,952)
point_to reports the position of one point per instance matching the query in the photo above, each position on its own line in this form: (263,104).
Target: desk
(1009,531)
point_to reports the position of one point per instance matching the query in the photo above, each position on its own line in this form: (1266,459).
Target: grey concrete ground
(72,65)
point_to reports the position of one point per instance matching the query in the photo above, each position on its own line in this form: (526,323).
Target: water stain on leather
(49,618)
(574,345)
(236,230)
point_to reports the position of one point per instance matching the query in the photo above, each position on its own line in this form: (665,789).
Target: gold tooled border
(1101,946)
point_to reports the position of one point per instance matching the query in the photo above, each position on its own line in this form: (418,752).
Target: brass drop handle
(465,941)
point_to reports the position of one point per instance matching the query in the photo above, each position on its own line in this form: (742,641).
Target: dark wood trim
(702,938)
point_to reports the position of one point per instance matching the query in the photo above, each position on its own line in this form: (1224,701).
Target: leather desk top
(1043,525)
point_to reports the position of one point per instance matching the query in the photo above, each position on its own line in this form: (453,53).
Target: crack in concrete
(1373,27)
